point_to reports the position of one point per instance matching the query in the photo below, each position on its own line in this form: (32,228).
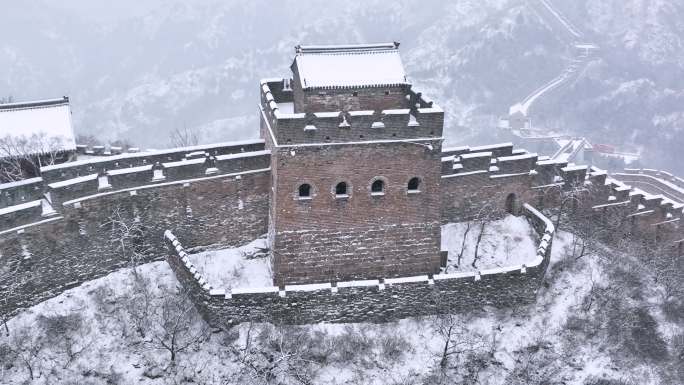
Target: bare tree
(67,334)
(128,234)
(184,137)
(458,340)
(177,325)
(23,156)
(139,306)
(15,279)
(279,354)
(469,206)
(25,346)
(565,198)
(483,217)
(7,99)
(476,217)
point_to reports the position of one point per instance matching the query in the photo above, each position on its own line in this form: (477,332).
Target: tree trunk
(443,361)
(173,347)
(561,208)
(477,244)
(463,244)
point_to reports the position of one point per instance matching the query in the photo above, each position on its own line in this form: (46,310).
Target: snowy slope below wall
(106,347)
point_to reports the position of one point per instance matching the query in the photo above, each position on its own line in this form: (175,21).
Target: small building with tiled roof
(38,132)
(349,77)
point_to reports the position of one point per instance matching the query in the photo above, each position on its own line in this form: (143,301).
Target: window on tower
(413,185)
(342,190)
(304,191)
(378,187)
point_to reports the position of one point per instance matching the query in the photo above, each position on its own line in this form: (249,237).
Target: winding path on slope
(583,53)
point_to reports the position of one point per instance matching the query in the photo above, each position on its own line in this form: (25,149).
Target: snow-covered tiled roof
(49,120)
(334,66)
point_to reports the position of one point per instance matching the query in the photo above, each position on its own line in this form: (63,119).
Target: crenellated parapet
(421,120)
(502,178)
(79,168)
(22,191)
(655,182)
(35,199)
(499,176)
(370,300)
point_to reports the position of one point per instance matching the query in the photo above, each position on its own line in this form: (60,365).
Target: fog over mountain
(139,69)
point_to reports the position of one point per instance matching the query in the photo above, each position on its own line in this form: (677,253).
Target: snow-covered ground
(505,242)
(240,267)
(524,345)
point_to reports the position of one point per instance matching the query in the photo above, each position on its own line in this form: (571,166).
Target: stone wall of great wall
(55,231)
(655,182)
(61,233)
(377,300)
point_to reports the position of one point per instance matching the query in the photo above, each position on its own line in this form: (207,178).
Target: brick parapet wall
(679,182)
(635,213)
(21,191)
(659,182)
(65,191)
(65,171)
(472,178)
(378,300)
(354,126)
(49,255)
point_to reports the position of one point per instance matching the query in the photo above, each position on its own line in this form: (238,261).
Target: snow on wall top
(333,66)
(48,119)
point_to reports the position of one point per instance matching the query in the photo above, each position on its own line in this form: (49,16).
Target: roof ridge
(345,48)
(34,104)
(355,52)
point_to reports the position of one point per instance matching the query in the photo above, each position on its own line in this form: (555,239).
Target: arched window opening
(341,190)
(304,190)
(512,204)
(414,185)
(378,187)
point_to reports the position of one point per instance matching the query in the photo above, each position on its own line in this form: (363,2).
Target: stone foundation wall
(309,256)
(369,300)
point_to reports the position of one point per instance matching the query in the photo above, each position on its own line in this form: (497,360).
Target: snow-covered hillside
(588,327)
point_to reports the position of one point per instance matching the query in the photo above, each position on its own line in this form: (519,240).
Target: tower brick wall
(363,235)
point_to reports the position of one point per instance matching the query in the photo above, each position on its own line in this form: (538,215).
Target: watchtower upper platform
(349,77)
(347,93)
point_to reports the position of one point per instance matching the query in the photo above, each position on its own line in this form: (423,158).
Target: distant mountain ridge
(141,70)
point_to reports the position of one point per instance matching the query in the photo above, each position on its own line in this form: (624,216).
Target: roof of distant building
(45,125)
(344,66)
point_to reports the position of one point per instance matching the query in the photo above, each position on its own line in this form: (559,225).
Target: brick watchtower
(355,167)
